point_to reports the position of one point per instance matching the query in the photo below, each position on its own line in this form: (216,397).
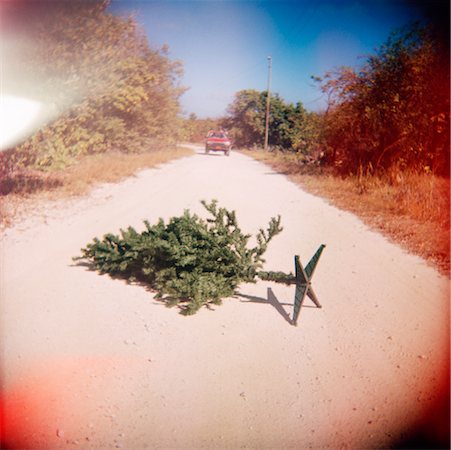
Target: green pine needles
(189,261)
(277,277)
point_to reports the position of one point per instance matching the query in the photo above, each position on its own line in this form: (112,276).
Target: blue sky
(224,44)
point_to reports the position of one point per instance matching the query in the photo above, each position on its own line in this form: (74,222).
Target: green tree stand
(302,279)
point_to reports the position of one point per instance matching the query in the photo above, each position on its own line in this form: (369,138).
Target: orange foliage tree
(393,114)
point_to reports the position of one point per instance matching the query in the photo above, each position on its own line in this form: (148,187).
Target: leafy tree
(246,118)
(290,126)
(110,89)
(189,261)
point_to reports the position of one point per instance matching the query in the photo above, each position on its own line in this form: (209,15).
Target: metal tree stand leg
(304,283)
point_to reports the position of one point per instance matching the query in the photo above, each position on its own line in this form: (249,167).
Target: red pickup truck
(218,141)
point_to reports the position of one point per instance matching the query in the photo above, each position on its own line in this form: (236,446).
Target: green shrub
(189,261)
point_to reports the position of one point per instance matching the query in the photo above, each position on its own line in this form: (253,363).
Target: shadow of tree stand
(302,279)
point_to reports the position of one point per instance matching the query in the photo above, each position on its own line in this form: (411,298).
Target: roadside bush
(188,261)
(393,114)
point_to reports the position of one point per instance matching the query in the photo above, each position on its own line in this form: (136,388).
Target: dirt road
(91,362)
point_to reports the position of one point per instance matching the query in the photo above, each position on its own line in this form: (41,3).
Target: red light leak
(49,404)
(52,404)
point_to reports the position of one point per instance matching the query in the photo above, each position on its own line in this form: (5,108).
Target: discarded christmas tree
(189,261)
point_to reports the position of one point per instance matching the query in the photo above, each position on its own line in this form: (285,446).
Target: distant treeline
(391,114)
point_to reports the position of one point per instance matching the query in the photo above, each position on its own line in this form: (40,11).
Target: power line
(239,74)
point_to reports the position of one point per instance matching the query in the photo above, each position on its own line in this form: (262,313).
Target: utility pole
(267,104)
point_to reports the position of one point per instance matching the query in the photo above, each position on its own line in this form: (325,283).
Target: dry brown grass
(29,186)
(113,167)
(410,209)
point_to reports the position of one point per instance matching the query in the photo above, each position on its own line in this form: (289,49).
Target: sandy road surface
(91,362)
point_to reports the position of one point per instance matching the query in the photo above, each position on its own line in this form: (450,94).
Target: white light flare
(19,118)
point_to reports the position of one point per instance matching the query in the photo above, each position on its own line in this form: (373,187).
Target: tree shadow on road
(270,300)
(180,303)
